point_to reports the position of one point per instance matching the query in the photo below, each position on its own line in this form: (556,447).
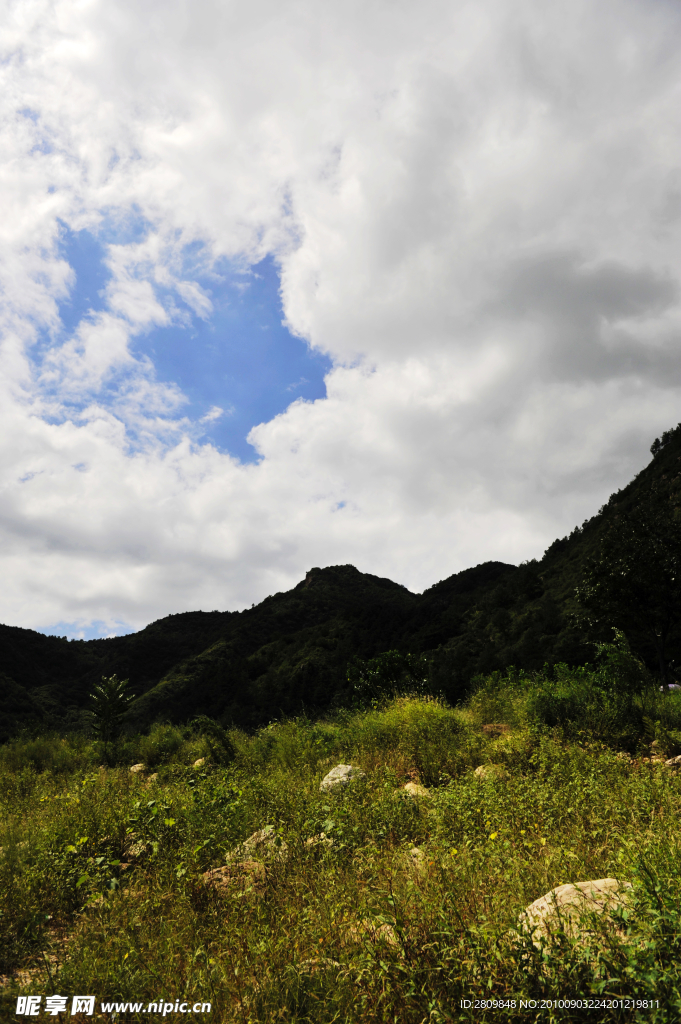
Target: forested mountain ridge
(291,652)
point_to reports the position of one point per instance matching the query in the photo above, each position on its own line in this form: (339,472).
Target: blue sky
(241,358)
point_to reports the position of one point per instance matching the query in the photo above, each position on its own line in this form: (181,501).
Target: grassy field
(101,871)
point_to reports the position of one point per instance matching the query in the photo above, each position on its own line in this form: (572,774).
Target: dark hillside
(290,653)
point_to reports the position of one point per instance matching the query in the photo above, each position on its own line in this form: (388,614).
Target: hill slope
(291,651)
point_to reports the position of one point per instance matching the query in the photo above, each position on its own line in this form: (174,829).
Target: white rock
(490,771)
(567,908)
(265,844)
(136,768)
(320,840)
(341,775)
(416,791)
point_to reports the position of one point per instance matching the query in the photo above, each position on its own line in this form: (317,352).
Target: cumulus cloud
(475,208)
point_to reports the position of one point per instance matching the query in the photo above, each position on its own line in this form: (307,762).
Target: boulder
(317,965)
(674,762)
(414,791)
(199,763)
(136,848)
(321,840)
(137,768)
(496,729)
(568,908)
(241,874)
(265,844)
(491,771)
(341,775)
(373,932)
(414,860)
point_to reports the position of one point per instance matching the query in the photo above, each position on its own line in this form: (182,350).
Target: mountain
(290,653)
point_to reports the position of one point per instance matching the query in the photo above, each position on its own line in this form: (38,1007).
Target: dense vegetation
(101,870)
(290,654)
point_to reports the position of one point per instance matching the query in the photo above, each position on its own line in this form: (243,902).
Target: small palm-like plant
(109,703)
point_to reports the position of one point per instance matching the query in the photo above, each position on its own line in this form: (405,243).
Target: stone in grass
(568,909)
(339,776)
(265,844)
(199,763)
(414,860)
(674,762)
(136,848)
(137,768)
(316,966)
(319,841)
(242,874)
(413,791)
(494,729)
(372,932)
(491,771)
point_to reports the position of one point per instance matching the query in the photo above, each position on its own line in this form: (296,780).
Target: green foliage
(635,581)
(388,675)
(59,755)
(109,703)
(112,862)
(222,750)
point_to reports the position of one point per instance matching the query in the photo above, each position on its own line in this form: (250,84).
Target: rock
(567,908)
(321,840)
(153,778)
(322,963)
(341,775)
(266,844)
(674,762)
(242,874)
(199,763)
(491,771)
(137,768)
(496,729)
(414,860)
(137,848)
(372,931)
(414,791)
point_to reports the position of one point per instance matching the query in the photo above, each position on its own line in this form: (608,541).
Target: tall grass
(307,943)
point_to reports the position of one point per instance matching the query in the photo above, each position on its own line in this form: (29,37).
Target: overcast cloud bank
(475,208)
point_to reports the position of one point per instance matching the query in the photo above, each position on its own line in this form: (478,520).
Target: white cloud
(476,210)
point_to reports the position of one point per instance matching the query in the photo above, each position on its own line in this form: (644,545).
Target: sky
(292,284)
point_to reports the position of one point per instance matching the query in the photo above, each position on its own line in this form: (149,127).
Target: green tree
(634,584)
(109,704)
(388,675)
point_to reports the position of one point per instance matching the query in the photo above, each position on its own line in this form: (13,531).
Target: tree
(635,582)
(390,674)
(109,703)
